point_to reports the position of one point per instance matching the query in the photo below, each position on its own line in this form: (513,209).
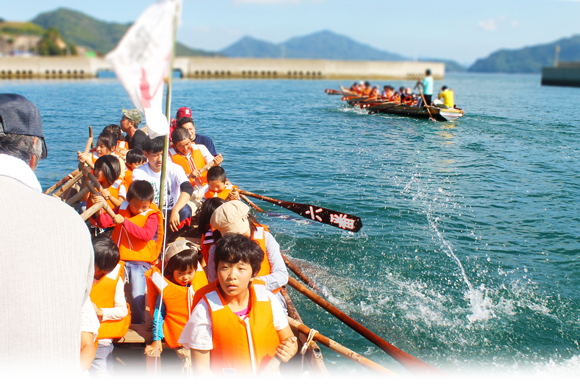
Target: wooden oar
(94,186)
(315,213)
(406,360)
(341,350)
(69,184)
(251,204)
(92,210)
(425,103)
(70,176)
(299,274)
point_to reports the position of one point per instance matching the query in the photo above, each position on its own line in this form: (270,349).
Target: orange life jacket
(128,178)
(134,249)
(240,347)
(395,98)
(190,163)
(223,194)
(103,295)
(374,93)
(259,236)
(178,301)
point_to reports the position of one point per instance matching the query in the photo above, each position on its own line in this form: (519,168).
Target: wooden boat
(374,106)
(438,113)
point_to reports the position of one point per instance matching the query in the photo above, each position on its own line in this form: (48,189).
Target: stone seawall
(566,74)
(204,67)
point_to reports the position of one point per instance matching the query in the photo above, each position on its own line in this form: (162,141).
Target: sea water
(469,254)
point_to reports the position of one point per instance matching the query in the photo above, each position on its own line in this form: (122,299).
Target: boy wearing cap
(130,124)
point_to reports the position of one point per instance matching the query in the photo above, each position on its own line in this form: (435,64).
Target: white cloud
(488,25)
(515,24)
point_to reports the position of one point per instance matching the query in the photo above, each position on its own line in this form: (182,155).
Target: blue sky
(463,31)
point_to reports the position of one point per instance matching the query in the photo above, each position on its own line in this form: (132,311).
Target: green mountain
(100,36)
(319,45)
(529,59)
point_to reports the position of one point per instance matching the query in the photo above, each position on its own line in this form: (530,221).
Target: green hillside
(100,36)
(529,59)
(20,28)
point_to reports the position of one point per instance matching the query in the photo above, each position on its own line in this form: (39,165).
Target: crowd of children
(218,306)
(403,95)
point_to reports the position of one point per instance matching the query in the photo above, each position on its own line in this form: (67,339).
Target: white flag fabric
(142,58)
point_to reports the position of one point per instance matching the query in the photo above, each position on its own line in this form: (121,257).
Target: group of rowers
(219,306)
(404,95)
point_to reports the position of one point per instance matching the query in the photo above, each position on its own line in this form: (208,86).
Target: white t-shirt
(197,333)
(89,320)
(174,177)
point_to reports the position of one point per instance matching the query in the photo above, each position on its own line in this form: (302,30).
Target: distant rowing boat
(374,106)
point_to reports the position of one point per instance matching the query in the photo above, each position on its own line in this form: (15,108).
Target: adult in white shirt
(46,256)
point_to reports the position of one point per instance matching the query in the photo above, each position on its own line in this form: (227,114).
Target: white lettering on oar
(313,213)
(342,221)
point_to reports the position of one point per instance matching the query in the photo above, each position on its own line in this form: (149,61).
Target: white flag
(142,58)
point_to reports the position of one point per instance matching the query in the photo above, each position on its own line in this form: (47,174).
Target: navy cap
(20,116)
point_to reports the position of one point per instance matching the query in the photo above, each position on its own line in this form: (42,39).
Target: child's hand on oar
(287,349)
(83,157)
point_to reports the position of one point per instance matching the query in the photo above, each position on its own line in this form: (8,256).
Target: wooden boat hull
(440,114)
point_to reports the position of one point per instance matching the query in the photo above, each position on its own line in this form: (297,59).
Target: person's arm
(88,350)
(156,347)
(103,220)
(200,361)
(288,344)
(278,272)
(119,309)
(145,233)
(186,192)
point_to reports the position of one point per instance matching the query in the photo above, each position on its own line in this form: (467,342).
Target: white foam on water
(555,371)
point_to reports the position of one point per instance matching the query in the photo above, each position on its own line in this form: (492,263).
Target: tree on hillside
(52,44)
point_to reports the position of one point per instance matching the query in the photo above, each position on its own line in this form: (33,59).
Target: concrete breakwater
(204,67)
(566,74)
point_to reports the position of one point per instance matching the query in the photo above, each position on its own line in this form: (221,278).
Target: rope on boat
(306,345)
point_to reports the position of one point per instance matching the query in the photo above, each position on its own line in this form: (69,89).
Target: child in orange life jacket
(138,231)
(108,296)
(122,145)
(237,327)
(106,145)
(134,159)
(107,171)
(234,218)
(207,209)
(218,185)
(183,276)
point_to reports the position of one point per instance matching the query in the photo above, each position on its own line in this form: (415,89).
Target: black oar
(315,213)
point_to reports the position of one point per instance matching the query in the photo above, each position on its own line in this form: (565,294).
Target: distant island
(529,59)
(68,32)
(319,45)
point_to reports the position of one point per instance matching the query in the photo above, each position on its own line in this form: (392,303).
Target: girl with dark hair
(171,297)
(108,172)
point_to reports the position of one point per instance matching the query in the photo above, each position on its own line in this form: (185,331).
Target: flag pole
(165,152)
(168,115)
